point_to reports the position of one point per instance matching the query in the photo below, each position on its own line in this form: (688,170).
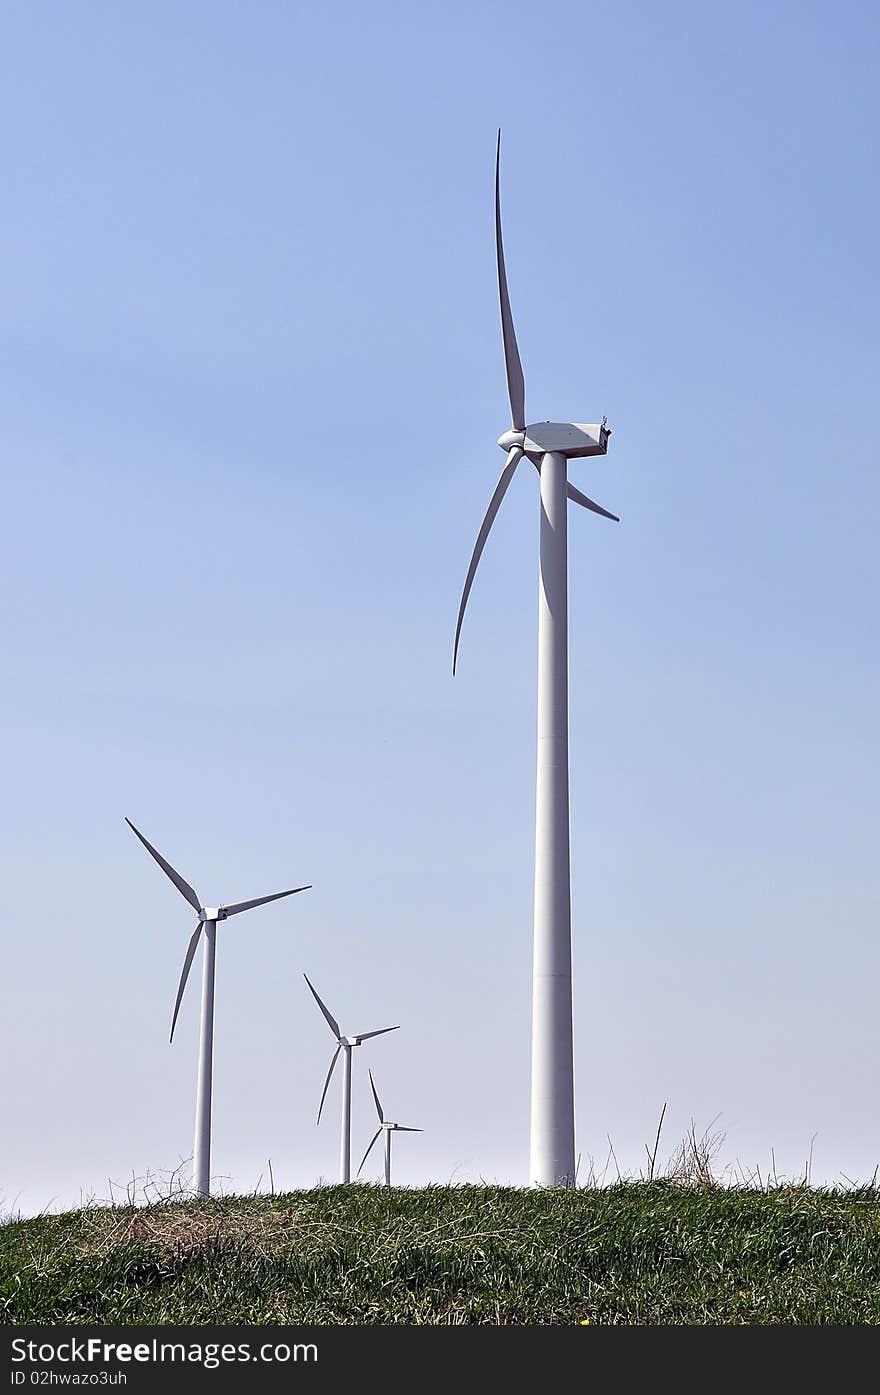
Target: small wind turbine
(343,1044)
(549,445)
(207,924)
(388,1128)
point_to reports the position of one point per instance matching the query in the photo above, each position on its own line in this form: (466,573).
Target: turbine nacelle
(572,439)
(212,913)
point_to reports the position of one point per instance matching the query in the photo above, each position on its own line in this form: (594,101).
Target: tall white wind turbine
(344,1045)
(549,445)
(207,925)
(386,1127)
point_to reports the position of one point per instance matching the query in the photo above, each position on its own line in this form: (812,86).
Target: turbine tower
(549,445)
(386,1127)
(345,1045)
(207,925)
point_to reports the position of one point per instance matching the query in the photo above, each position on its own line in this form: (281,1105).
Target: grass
(636,1252)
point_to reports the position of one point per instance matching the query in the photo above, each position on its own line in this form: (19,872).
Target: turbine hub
(212,913)
(511,438)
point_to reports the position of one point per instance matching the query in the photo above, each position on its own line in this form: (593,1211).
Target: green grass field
(631,1253)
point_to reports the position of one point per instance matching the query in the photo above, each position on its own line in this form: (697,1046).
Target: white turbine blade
(327,1083)
(369,1150)
(183,887)
(365,1036)
(379,1110)
(402,1128)
(577,497)
(262,900)
(331,1020)
(187,963)
(516,387)
(514,456)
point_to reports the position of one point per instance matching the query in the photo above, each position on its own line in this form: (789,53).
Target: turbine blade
(516,387)
(513,458)
(331,1020)
(379,1110)
(402,1128)
(577,497)
(369,1150)
(187,964)
(262,900)
(327,1083)
(183,887)
(365,1036)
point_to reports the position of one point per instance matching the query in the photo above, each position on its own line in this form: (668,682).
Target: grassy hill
(650,1252)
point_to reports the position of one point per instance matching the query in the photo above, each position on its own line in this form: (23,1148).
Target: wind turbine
(345,1045)
(207,925)
(549,445)
(388,1128)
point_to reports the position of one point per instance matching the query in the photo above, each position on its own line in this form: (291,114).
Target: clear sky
(250,388)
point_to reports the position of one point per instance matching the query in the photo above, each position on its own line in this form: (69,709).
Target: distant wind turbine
(207,924)
(549,445)
(343,1044)
(388,1128)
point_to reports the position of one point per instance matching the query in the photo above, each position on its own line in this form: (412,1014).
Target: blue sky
(250,387)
